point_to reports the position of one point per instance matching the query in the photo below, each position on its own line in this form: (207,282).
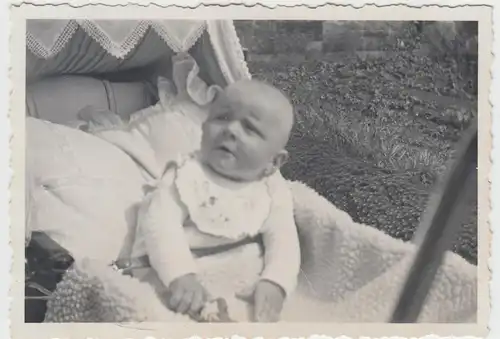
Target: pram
(77,184)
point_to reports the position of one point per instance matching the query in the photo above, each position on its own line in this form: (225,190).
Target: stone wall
(345,36)
(278,37)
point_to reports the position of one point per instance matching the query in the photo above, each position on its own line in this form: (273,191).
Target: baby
(227,191)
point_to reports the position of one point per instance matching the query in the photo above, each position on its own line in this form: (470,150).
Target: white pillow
(155,136)
(159,133)
(83,191)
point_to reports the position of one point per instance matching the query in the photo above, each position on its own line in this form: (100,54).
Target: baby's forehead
(242,89)
(257,95)
(264,102)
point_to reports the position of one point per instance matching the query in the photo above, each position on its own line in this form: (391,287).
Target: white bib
(231,211)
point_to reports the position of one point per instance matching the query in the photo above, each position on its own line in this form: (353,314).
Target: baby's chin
(221,159)
(223,164)
(228,170)
(226,165)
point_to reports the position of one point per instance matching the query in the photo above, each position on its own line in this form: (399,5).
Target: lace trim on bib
(233,212)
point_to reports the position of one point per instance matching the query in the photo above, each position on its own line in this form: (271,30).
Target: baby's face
(243,135)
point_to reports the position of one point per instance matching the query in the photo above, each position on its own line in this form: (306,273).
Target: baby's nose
(232,129)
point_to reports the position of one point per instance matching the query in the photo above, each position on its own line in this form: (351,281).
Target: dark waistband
(125,264)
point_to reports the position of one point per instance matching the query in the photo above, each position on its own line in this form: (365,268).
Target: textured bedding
(82,192)
(350,272)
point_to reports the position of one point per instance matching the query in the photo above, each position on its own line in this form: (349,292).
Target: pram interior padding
(84,193)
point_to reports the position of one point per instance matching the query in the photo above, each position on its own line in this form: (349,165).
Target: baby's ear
(280,159)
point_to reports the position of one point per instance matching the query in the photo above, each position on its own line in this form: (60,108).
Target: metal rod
(39,288)
(439,225)
(39,297)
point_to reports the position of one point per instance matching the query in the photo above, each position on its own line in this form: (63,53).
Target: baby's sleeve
(161,227)
(281,241)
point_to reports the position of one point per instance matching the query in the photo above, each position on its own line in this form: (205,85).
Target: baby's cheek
(210,132)
(256,159)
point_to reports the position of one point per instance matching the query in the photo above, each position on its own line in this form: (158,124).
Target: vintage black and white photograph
(253,171)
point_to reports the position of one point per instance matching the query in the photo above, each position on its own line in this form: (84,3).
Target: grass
(374,134)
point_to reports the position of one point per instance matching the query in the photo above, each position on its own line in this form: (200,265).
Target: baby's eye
(222,117)
(248,126)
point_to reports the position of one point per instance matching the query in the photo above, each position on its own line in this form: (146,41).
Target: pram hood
(101,46)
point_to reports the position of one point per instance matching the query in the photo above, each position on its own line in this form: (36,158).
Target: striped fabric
(101,46)
(84,55)
(59,99)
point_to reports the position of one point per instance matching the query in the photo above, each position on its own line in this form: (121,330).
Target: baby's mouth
(225,149)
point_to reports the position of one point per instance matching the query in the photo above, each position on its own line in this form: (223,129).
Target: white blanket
(350,273)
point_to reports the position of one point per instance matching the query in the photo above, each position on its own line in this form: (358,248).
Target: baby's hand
(268,301)
(187,295)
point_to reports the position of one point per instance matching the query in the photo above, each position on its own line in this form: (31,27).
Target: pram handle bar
(438,226)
